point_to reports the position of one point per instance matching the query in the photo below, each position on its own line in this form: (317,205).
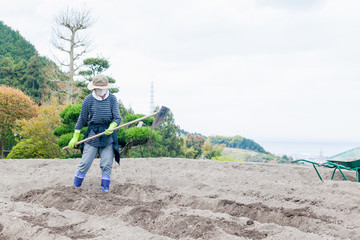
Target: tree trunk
(2,140)
(71,66)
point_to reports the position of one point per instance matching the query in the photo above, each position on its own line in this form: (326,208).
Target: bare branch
(79,54)
(67,37)
(77,68)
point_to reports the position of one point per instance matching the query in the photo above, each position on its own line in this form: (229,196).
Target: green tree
(34,83)
(209,151)
(93,66)
(190,153)
(235,141)
(20,69)
(196,142)
(170,143)
(7,76)
(220,140)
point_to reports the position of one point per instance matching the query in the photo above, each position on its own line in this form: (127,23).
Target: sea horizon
(310,148)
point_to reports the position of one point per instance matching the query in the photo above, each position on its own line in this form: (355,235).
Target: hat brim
(91,86)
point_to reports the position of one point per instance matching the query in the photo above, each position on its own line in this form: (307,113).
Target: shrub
(26,148)
(121,136)
(210,151)
(226,159)
(29,148)
(131,117)
(37,134)
(63,129)
(14,105)
(71,114)
(69,117)
(140,134)
(190,153)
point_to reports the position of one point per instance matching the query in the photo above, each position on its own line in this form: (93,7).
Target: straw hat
(99,81)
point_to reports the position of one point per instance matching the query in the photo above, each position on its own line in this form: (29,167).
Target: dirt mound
(148,208)
(301,218)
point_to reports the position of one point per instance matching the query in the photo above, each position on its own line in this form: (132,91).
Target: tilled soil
(159,214)
(176,199)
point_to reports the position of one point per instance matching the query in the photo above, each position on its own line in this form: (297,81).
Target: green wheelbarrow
(348,160)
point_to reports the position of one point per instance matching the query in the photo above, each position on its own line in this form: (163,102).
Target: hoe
(159,117)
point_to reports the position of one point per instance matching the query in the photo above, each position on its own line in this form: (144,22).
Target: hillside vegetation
(13,45)
(237,142)
(21,67)
(243,155)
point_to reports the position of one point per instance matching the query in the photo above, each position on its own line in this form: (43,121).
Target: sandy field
(176,199)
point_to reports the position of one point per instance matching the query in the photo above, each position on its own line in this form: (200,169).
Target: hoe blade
(160,116)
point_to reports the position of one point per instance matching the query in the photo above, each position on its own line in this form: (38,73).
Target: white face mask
(100,92)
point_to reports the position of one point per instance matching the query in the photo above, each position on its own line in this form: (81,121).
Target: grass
(242,155)
(227,159)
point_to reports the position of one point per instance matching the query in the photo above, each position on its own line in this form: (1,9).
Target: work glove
(111,126)
(74,139)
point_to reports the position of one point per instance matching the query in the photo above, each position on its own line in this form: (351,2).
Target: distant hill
(21,66)
(183,132)
(237,142)
(231,142)
(13,45)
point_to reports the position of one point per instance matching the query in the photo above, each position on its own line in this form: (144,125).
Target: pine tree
(93,66)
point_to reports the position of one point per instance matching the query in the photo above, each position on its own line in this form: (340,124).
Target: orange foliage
(37,134)
(195,141)
(14,105)
(42,126)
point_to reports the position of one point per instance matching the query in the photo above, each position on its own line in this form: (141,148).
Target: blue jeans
(89,154)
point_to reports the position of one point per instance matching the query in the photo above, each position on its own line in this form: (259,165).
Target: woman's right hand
(74,139)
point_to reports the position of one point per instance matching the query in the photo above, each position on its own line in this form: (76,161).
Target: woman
(100,109)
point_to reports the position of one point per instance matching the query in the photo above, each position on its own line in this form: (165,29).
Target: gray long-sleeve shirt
(94,111)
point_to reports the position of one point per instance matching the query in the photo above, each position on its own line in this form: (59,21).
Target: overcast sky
(263,69)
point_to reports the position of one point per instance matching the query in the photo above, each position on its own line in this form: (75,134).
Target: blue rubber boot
(79,178)
(105,182)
